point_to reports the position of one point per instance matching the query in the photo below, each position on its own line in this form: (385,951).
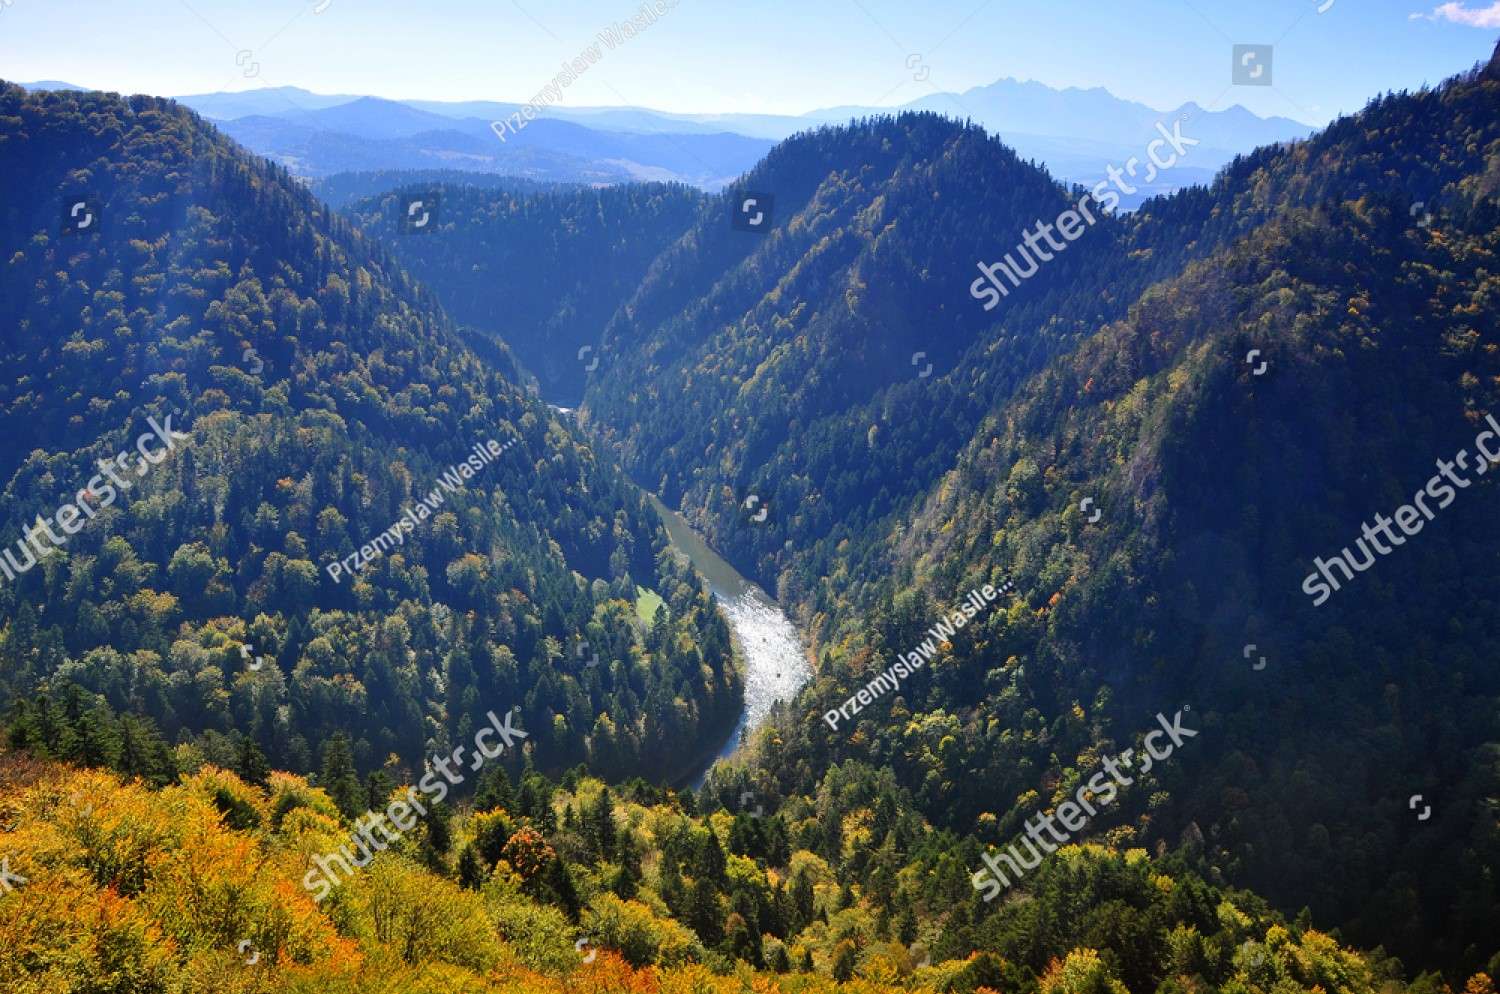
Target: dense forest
(324,397)
(343,189)
(1361,263)
(722,375)
(542,272)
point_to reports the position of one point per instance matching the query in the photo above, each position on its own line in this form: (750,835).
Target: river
(775,662)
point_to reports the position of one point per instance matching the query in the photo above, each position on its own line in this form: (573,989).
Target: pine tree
(378,788)
(600,825)
(803,900)
(251,764)
(494,790)
(471,872)
(844,960)
(906,924)
(98,740)
(711,863)
(671,888)
(437,838)
(703,913)
(339,778)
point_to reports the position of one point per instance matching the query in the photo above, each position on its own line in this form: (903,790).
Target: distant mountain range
(327,135)
(1076,133)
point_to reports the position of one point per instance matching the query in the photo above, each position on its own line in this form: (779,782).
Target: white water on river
(775,662)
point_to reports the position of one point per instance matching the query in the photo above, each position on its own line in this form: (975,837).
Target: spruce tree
(251,764)
(844,960)
(339,778)
(494,790)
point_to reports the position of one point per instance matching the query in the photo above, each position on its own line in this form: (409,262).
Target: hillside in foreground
(204,885)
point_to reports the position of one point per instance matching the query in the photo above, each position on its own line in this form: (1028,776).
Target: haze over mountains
(1076,133)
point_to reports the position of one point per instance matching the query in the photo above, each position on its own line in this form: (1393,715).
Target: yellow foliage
(1081,972)
(198,888)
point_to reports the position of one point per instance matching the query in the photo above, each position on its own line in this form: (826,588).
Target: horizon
(686,61)
(585,108)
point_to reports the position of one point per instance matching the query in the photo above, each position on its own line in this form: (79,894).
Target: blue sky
(763,56)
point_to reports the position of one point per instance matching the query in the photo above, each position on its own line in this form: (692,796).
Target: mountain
(52,84)
(543,272)
(707,161)
(370,134)
(264,101)
(1006,107)
(1150,576)
(1105,443)
(312,151)
(343,523)
(1221,491)
(634,120)
(1010,105)
(794,365)
(1078,133)
(371,117)
(1087,163)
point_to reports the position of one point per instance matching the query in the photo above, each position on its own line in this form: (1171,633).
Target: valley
(837,603)
(776,664)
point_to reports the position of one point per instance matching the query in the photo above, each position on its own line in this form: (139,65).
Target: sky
(753,56)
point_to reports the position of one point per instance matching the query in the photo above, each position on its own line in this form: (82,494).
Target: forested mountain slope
(1327,724)
(342,189)
(746,360)
(255,578)
(544,272)
(794,375)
